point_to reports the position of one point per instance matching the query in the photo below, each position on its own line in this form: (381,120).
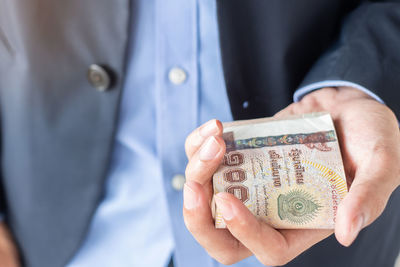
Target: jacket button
(99,77)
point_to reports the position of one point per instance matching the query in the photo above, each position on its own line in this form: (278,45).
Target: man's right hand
(245,235)
(8,251)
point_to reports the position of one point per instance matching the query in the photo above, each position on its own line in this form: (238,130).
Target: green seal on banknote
(297,206)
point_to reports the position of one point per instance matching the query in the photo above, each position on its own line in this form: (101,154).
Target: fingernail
(210,149)
(205,131)
(356,227)
(190,199)
(224,207)
(209,129)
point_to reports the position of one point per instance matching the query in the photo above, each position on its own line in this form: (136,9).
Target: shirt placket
(177,110)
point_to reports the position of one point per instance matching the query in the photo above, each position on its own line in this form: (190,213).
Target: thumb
(364,203)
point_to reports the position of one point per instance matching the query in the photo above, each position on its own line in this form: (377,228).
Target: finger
(270,246)
(206,160)
(198,136)
(219,243)
(365,201)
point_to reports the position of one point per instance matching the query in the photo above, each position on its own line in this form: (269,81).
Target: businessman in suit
(97,98)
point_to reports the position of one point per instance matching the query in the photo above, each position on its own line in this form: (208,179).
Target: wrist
(351,93)
(329,98)
(338,94)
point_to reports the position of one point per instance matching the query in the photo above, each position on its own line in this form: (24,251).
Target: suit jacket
(57,131)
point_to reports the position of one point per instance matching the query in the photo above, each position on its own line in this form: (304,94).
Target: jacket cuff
(301,92)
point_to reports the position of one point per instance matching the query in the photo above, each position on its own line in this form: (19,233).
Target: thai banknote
(288,172)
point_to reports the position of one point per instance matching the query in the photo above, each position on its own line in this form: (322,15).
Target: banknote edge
(272,119)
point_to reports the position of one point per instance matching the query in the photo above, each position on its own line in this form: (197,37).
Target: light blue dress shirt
(174,83)
(139,222)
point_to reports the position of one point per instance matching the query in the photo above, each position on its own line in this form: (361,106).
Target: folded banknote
(288,172)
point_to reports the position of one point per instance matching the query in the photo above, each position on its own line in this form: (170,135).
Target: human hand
(8,251)
(368,132)
(245,235)
(369,137)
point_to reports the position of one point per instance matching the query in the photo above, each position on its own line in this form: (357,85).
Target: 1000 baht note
(288,172)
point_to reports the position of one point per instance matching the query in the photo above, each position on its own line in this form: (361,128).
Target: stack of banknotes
(288,172)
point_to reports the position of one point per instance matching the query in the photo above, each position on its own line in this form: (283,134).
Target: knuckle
(190,143)
(274,260)
(226,259)
(190,225)
(187,140)
(310,100)
(189,171)
(374,203)
(230,254)
(280,262)
(377,209)
(278,256)
(281,247)
(192,228)
(187,147)
(186,220)
(191,175)
(292,107)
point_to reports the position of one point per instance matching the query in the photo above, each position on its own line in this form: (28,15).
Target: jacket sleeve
(367,52)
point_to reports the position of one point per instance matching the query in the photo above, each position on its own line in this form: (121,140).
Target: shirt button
(99,78)
(177,76)
(178,181)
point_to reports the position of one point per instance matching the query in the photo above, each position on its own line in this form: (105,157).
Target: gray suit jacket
(57,130)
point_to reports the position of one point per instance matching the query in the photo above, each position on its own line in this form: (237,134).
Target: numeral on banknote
(241,192)
(236,175)
(233,159)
